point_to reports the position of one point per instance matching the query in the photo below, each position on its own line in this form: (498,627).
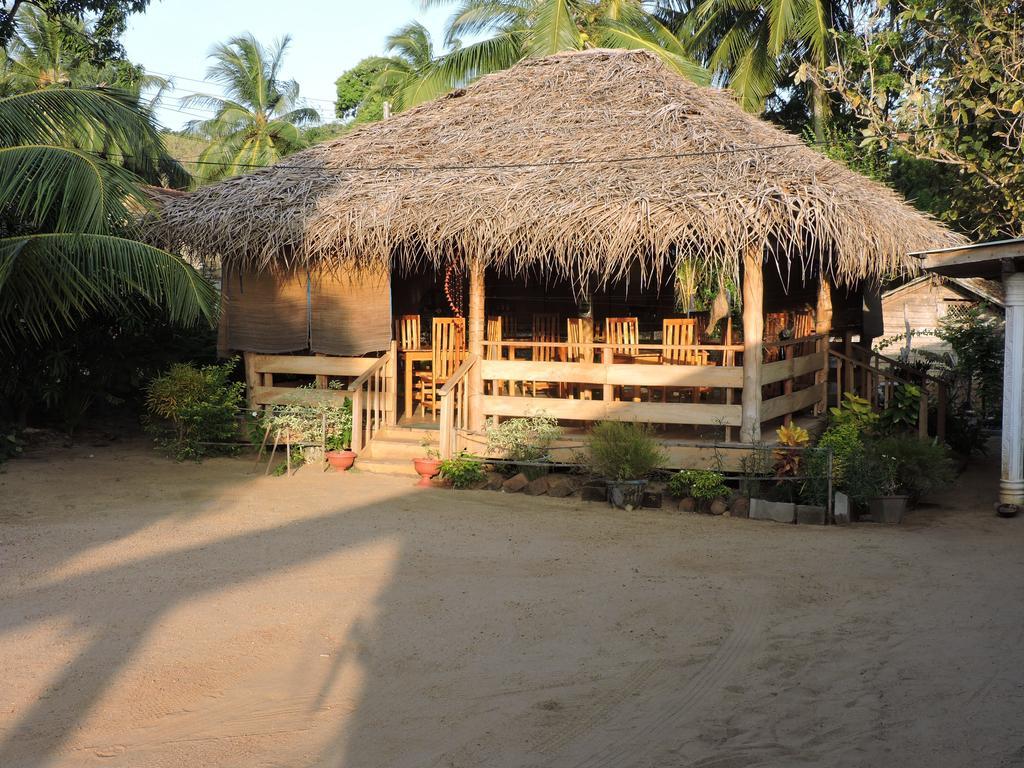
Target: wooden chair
(544,329)
(493,332)
(676,334)
(407,331)
(623,336)
(448,349)
(580,334)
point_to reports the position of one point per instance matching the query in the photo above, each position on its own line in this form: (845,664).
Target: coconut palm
(410,75)
(517,29)
(755,47)
(68,217)
(258,121)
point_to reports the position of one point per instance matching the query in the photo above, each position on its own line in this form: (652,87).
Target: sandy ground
(161,614)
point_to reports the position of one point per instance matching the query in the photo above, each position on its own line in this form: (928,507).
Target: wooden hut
(583,183)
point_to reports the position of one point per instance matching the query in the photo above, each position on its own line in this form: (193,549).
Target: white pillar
(1011,484)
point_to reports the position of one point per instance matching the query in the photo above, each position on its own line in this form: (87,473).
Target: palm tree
(409,77)
(69,218)
(754,47)
(519,29)
(257,122)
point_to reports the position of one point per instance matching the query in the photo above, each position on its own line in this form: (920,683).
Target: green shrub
(854,411)
(903,411)
(462,471)
(11,444)
(620,450)
(920,466)
(847,446)
(701,484)
(306,422)
(190,407)
(524,439)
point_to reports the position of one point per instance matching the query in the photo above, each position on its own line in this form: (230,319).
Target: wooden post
(728,358)
(357,420)
(848,351)
(477,323)
(608,391)
(753,343)
(787,387)
(922,415)
(392,383)
(251,378)
(823,326)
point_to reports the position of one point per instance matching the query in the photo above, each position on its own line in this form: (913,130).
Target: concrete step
(385,466)
(396,449)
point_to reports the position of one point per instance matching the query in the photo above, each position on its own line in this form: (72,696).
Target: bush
(854,411)
(190,407)
(921,466)
(619,450)
(847,447)
(903,411)
(307,422)
(462,471)
(524,439)
(701,484)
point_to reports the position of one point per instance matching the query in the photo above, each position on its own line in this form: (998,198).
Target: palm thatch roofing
(578,164)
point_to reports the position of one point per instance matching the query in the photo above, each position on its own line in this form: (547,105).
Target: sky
(174,37)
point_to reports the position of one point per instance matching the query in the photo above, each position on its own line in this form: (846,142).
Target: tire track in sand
(640,730)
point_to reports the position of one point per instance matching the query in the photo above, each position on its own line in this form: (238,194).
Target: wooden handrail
(358,382)
(865,366)
(461,371)
(597,345)
(800,340)
(895,361)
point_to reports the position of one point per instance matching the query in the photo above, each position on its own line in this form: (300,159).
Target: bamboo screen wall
(346,315)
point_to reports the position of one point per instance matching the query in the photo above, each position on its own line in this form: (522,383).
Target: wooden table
(413,356)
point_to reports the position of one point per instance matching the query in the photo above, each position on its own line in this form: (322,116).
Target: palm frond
(51,280)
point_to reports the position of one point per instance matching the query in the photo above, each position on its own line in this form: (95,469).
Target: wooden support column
(753,343)
(823,326)
(251,382)
(1011,484)
(477,323)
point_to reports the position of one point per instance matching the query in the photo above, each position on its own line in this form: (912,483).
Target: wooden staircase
(393,448)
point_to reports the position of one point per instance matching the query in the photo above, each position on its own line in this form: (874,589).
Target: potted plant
(625,454)
(525,439)
(337,454)
(702,485)
(891,502)
(429,465)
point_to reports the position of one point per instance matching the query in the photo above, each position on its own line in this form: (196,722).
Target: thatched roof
(525,169)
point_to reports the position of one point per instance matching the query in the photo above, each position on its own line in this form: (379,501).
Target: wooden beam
(823,326)
(298,396)
(791,403)
(252,378)
(784,370)
(477,324)
(617,410)
(617,374)
(753,342)
(309,365)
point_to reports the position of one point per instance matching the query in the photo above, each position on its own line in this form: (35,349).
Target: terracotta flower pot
(340,460)
(426,469)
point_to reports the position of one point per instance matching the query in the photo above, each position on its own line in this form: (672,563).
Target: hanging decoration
(455,289)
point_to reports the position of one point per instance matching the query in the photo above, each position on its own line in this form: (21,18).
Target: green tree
(512,30)
(410,75)
(69,218)
(358,98)
(110,18)
(943,80)
(258,121)
(755,47)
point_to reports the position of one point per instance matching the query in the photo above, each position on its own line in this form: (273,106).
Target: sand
(162,614)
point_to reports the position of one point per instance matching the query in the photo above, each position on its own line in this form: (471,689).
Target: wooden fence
(371,384)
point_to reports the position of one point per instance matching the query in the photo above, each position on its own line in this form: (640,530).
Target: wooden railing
(374,399)
(878,386)
(372,386)
(796,381)
(454,399)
